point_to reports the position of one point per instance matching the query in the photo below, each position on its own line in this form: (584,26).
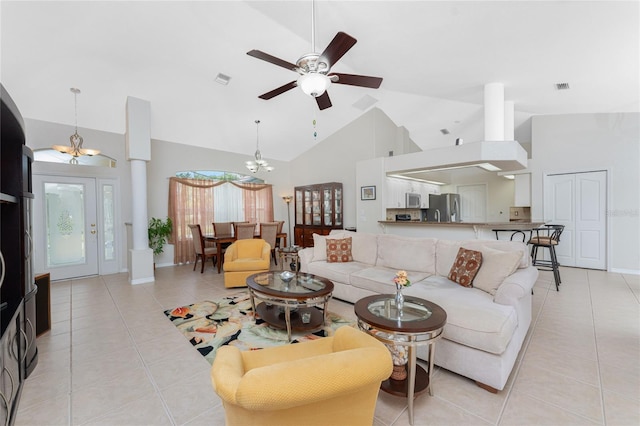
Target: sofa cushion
(446,251)
(339,250)
(465,266)
(496,266)
(364,246)
(336,272)
(525,259)
(405,253)
(380,280)
(473,319)
(320,245)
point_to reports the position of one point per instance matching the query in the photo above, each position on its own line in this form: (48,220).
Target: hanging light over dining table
(258,163)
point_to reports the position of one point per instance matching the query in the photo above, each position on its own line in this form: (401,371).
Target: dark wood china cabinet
(318,210)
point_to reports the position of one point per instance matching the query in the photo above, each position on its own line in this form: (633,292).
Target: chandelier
(258,163)
(75,149)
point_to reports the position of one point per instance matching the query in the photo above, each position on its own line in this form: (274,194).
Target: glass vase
(399,300)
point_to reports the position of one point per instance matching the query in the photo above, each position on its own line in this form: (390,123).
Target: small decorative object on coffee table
(290,301)
(401,279)
(421,323)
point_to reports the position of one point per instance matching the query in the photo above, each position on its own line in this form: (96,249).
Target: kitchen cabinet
(394,194)
(396,189)
(523,190)
(318,210)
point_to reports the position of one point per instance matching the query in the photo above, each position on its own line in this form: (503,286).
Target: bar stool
(548,237)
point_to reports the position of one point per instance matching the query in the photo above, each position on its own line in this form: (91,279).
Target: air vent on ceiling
(222,79)
(562,86)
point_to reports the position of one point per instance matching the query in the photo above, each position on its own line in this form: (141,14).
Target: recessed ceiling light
(222,79)
(562,86)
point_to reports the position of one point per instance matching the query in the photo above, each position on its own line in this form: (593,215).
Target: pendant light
(258,163)
(75,149)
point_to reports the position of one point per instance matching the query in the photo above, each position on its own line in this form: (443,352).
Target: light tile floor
(113,358)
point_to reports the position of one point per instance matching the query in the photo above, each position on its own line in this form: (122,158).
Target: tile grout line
(524,349)
(144,363)
(595,341)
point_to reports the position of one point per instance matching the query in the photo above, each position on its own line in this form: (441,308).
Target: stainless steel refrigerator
(444,208)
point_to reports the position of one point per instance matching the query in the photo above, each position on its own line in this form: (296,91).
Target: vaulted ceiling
(435,58)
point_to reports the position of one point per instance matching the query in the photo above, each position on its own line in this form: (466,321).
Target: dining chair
(547,237)
(245,231)
(235,224)
(278,239)
(203,253)
(222,228)
(269,232)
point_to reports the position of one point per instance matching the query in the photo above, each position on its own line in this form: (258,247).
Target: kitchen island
(459,230)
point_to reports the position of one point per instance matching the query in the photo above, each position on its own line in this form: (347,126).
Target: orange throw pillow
(465,267)
(339,251)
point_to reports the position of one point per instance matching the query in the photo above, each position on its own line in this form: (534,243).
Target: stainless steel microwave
(412,200)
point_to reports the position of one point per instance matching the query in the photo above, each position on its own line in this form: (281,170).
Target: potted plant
(159,232)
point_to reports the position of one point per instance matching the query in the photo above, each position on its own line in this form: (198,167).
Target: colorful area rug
(210,324)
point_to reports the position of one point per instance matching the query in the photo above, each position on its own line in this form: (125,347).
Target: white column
(138,151)
(494,112)
(509,121)
(139,204)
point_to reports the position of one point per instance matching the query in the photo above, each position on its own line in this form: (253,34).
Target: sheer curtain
(193,201)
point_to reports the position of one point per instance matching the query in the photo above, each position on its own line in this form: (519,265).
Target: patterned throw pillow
(339,250)
(465,267)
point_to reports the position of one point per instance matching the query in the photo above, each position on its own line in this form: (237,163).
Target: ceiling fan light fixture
(314,84)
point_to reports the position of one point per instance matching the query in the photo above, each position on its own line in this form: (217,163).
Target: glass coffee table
(291,301)
(420,322)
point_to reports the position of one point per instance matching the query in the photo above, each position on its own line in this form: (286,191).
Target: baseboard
(625,271)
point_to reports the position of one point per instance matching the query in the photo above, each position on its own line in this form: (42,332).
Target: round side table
(419,323)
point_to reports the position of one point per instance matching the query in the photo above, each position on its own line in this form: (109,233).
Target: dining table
(221,240)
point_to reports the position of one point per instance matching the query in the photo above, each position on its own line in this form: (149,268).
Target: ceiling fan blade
(280,90)
(323,101)
(272,59)
(340,45)
(356,80)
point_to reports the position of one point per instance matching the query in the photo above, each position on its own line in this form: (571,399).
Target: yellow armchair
(244,258)
(329,381)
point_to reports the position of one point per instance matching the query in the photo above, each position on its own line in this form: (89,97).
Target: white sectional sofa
(485,328)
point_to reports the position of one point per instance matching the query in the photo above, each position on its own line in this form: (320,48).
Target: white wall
(583,142)
(372,135)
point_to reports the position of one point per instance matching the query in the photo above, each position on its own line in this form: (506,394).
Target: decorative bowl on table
(287,276)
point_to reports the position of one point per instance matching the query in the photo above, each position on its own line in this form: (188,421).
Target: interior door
(473,203)
(591,220)
(65,226)
(578,201)
(560,204)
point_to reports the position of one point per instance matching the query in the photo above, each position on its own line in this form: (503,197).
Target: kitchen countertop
(501,225)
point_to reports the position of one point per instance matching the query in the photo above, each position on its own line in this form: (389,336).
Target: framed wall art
(368,193)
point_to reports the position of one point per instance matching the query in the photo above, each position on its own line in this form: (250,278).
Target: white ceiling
(435,58)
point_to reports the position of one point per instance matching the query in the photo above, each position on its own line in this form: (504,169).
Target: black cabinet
(17,288)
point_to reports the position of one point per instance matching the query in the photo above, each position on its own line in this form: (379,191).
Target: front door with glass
(72,230)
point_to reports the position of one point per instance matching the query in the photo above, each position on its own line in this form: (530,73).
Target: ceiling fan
(314,69)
